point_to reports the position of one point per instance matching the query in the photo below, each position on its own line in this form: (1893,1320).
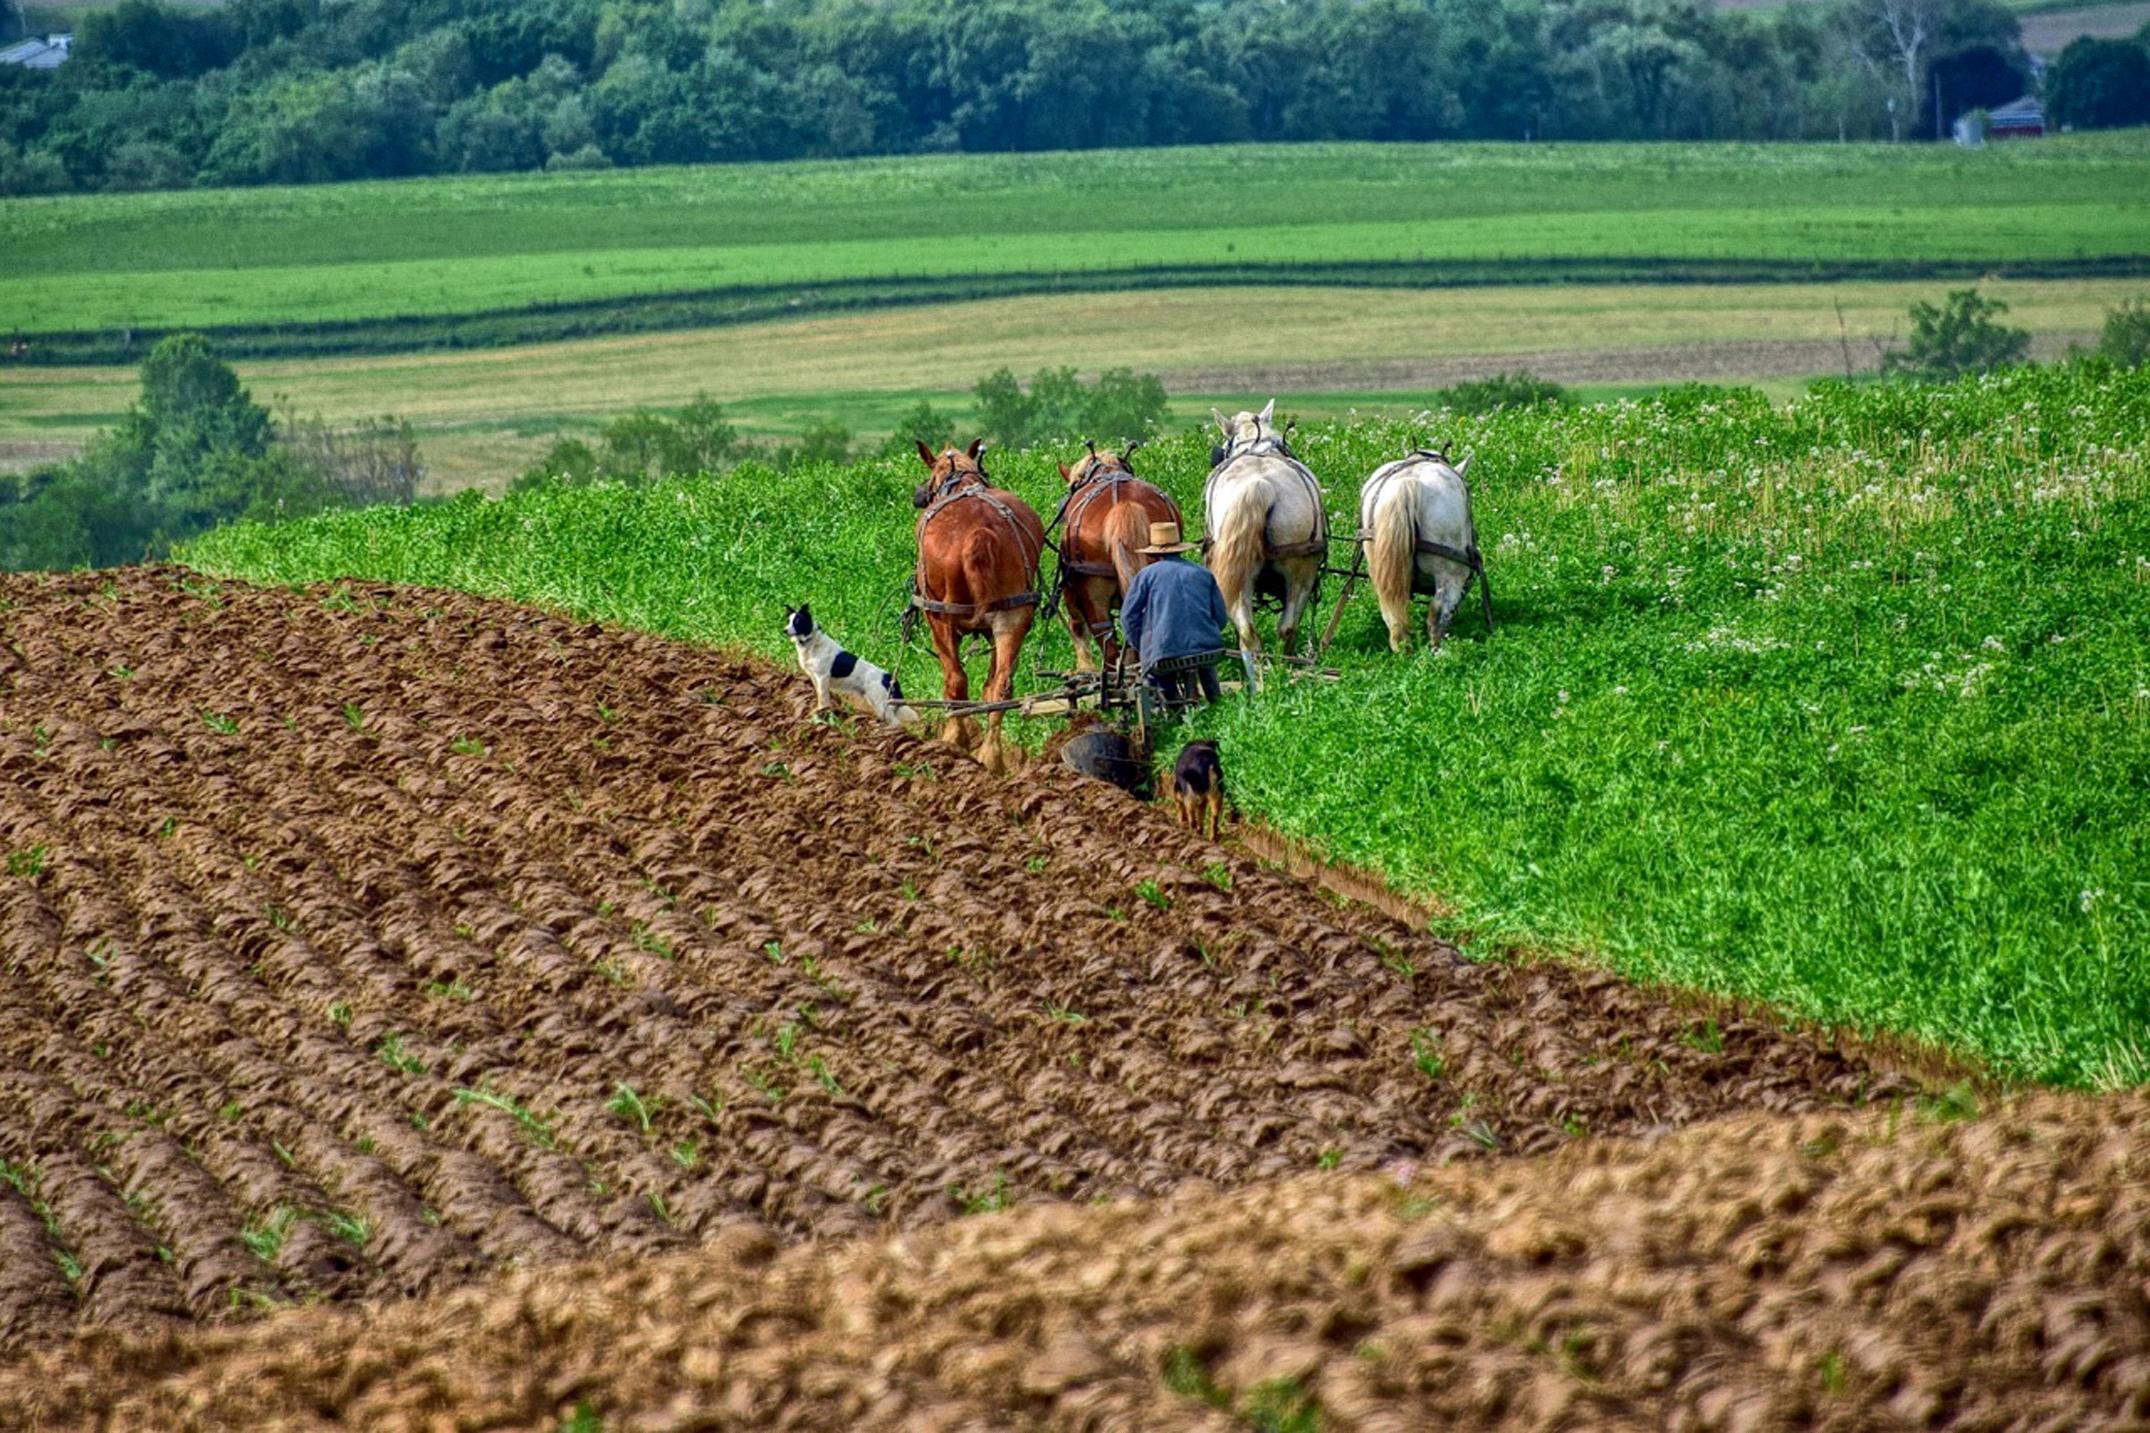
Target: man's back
(1173,609)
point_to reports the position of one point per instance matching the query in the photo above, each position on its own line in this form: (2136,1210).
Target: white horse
(1267,533)
(1415,515)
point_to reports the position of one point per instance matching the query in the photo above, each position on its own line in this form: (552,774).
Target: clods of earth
(419,1009)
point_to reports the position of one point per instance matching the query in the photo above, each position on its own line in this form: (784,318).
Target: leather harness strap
(1270,445)
(1096,482)
(1468,557)
(956,491)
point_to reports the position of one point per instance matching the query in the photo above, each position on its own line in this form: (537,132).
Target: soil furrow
(407,936)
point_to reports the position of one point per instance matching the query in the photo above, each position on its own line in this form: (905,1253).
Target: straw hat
(1165,538)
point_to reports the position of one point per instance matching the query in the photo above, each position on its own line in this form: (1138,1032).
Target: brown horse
(1108,513)
(978,550)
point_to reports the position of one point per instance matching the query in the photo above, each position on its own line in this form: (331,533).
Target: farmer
(1173,609)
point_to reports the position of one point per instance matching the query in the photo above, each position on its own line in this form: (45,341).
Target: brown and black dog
(1198,787)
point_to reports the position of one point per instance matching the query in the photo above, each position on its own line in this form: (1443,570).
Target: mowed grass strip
(339,253)
(484,415)
(1842,705)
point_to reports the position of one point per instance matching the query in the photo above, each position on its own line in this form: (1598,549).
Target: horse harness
(1269,445)
(1466,557)
(963,611)
(1074,507)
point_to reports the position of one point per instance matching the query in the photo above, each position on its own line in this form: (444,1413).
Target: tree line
(298,91)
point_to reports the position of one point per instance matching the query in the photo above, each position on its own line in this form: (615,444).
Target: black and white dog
(837,673)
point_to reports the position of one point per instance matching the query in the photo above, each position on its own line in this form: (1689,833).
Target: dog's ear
(926,454)
(806,615)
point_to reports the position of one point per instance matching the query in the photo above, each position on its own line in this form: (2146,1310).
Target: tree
(924,423)
(1892,37)
(30,172)
(2126,340)
(1119,407)
(2099,84)
(147,164)
(1976,77)
(193,451)
(822,441)
(1964,335)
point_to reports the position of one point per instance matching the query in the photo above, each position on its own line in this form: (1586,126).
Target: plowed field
(355,942)
(1874,1269)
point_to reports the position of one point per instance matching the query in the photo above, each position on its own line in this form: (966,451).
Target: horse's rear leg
(1239,605)
(1009,629)
(955,683)
(1399,625)
(1084,613)
(1298,592)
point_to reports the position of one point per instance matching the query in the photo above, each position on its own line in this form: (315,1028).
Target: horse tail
(1241,539)
(1127,531)
(1392,556)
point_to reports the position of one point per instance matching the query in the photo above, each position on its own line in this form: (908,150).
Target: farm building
(2018,119)
(46,54)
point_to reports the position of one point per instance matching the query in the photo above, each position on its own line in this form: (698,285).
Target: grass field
(1844,704)
(482,416)
(509,259)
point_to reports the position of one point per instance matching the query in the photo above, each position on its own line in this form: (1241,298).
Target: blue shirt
(1173,609)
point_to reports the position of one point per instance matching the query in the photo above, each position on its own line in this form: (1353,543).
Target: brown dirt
(1861,1269)
(358,941)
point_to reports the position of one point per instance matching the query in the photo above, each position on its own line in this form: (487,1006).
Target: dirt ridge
(360,941)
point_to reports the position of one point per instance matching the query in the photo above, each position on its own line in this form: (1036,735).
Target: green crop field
(509,259)
(483,415)
(1842,704)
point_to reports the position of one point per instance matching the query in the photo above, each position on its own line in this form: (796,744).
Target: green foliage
(639,446)
(2099,84)
(1963,335)
(2126,339)
(1519,389)
(924,423)
(279,92)
(1116,409)
(822,442)
(194,451)
(1841,704)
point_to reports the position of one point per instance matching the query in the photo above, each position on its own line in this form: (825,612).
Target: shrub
(2126,340)
(636,447)
(588,156)
(1964,335)
(823,441)
(31,171)
(147,164)
(1519,389)
(1118,408)
(373,461)
(923,424)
